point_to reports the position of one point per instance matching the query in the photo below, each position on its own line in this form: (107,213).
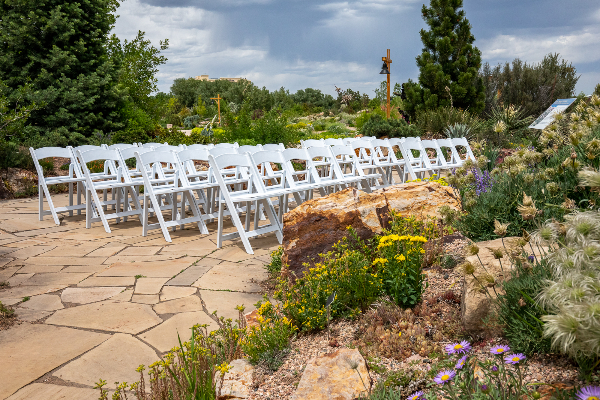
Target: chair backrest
(348,141)
(153,144)
(334,142)
(111,158)
(168,147)
(312,143)
(464,143)
(263,159)
(218,151)
(46,152)
(122,146)
(86,147)
(199,146)
(273,147)
(228,145)
(222,166)
(151,166)
(249,149)
(327,160)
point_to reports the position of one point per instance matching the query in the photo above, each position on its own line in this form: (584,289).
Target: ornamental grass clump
(573,294)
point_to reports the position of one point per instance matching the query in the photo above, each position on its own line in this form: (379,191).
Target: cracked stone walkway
(94,305)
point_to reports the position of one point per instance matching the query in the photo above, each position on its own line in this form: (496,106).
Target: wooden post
(388,61)
(219,98)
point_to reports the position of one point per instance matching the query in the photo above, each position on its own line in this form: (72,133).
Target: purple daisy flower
(514,358)
(589,393)
(499,349)
(484,388)
(461,362)
(444,377)
(415,396)
(459,348)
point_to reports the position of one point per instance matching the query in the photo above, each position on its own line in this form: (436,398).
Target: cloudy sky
(326,43)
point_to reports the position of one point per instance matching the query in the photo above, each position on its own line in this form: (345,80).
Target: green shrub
(269,342)
(274,267)
(13,156)
(518,311)
(379,126)
(434,121)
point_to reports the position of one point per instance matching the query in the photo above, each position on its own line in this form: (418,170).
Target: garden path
(101,304)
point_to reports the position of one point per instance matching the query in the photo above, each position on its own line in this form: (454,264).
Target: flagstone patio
(101,304)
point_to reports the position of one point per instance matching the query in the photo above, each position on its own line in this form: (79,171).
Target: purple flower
(589,393)
(514,358)
(444,377)
(531,258)
(483,181)
(494,369)
(499,349)
(459,348)
(415,396)
(484,388)
(461,362)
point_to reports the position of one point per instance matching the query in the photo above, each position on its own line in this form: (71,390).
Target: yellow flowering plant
(269,341)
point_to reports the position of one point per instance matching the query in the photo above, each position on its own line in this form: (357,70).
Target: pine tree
(449,63)
(59,48)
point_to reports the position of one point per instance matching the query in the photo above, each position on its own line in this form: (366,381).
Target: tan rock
(27,315)
(89,295)
(314,226)
(475,303)
(56,278)
(8,296)
(108,316)
(44,391)
(107,281)
(341,375)
(28,351)
(237,382)
(226,302)
(184,304)
(115,360)
(145,298)
(17,279)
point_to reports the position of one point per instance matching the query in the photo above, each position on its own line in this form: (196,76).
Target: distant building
(206,78)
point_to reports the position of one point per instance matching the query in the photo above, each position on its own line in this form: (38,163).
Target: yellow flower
(400,257)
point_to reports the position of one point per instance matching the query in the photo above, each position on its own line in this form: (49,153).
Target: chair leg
(70,198)
(41,202)
(145,217)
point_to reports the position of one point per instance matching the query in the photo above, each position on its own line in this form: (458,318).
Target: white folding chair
(199,146)
(312,143)
(366,157)
(218,151)
(153,144)
(454,161)
(122,146)
(199,180)
(273,147)
(249,149)
(385,157)
(158,184)
(252,190)
(44,182)
(438,162)
(419,162)
(231,145)
(350,168)
(118,181)
(334,142)
(463,142)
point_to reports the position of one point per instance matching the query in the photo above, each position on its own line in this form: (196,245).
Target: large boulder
(341,375)
(475,303)
(316,225)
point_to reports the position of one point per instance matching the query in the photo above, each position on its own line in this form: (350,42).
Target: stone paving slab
(232,276)
(176,292)
(150,269)
(31,350)
(108,316)
(90,295)
(93,281)
(82,281)
(184,304)
(115,360)
(193,273)
(164,336)
(226,302)
(43,391)
(146,285)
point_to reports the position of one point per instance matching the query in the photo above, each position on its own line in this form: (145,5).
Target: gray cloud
(316,43)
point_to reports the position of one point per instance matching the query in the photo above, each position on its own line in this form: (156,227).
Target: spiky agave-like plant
(573,297)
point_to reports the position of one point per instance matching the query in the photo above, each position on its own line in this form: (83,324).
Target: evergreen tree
(449,63)
(59,48)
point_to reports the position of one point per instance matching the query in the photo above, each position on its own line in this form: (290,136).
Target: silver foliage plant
(573,297)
